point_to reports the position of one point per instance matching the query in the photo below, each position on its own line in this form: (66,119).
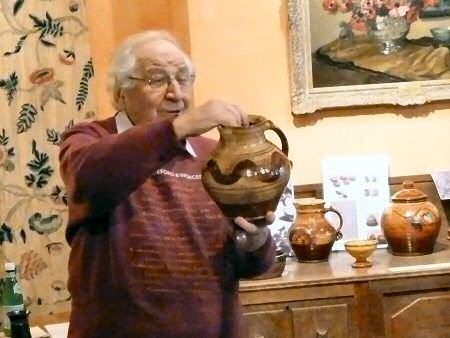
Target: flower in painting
(330,5)
(431,3)
(399,10)
(413,14)
(357,24)
(344,6)
(364,11)
(381,3)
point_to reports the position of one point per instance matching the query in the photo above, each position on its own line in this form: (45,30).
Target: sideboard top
(338,269)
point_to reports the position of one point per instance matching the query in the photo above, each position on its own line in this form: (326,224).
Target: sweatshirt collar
(123,123)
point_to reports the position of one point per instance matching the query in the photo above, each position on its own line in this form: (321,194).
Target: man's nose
(174,91)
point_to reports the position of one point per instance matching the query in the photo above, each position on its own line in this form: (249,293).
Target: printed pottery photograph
(376,47)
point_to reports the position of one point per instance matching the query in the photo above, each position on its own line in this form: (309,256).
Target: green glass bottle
(12,298)
(19,324)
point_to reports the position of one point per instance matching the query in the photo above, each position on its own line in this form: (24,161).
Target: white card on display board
(358,187)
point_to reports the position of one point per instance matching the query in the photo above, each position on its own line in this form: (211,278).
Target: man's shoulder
(101,127)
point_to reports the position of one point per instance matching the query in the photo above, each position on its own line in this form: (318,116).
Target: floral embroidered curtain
(45,87)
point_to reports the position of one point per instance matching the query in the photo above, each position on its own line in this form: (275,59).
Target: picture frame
(305,98)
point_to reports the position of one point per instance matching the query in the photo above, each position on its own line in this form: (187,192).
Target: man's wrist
(179,128)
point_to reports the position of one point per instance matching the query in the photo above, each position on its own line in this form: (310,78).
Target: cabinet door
(328,321)
(426,317)
(268,324)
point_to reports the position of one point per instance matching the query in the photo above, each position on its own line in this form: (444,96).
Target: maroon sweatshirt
(150,252)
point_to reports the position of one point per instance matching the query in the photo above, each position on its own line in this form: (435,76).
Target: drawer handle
(322,333)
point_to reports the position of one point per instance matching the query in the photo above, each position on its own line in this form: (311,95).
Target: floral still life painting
(374,44)
(365,12)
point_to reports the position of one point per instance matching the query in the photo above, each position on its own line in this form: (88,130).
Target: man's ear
(119,98)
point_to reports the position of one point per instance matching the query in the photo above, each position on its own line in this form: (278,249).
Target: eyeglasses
(158,78)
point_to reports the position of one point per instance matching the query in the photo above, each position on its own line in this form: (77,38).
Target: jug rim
(254,122)
(309,201)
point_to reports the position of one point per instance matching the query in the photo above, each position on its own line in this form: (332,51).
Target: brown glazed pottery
(361,250)
(312,236)
(410,223)
(247,174)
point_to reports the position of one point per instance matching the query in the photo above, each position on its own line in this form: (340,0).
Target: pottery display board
(441,179)
(358,187)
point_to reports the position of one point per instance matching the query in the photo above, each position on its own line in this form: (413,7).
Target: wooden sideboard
(396,297)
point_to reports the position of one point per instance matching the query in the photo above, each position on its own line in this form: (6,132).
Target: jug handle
(338,230)
(284,142)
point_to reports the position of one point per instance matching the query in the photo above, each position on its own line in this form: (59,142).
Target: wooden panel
(321,321)
(390,296)
(298,293)
(425,317)
(268,324)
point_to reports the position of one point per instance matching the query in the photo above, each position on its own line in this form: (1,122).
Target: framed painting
(342,58)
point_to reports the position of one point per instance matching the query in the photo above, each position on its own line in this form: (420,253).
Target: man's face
(144,102)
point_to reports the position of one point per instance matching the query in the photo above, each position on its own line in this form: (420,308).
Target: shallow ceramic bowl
(360,250)
(441,34)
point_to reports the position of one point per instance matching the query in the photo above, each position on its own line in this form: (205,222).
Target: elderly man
(152,255)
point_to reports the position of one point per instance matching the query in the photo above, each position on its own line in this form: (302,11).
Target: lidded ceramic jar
(410,223)
(311,235)
(246,173)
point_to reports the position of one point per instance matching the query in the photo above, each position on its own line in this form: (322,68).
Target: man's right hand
(199,120)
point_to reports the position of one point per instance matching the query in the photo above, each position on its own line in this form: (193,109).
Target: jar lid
(10,266)
(409,194)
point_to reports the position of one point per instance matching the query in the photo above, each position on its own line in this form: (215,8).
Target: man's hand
(199,120)
(251,237)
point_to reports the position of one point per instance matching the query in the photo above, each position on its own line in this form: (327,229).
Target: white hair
(123,61)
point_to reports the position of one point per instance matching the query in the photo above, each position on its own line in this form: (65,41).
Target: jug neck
(254,133)
(309,205)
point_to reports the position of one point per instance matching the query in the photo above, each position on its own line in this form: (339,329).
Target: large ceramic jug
(410,223)
(312,236)
(247,174)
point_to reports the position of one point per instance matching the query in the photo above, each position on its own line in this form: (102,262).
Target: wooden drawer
(269,324)
(293,321)
(329,321)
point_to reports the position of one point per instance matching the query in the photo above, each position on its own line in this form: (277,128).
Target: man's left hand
(252,237)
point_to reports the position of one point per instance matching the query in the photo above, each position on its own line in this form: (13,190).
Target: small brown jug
(247,174)
(312,236)
(410,223)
